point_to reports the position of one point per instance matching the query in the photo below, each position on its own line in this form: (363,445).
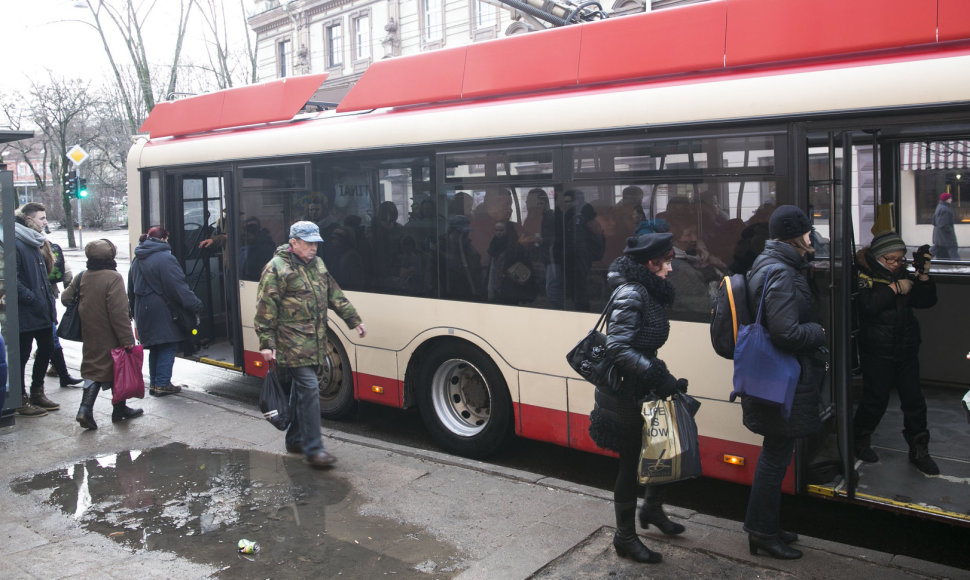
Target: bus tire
(336,381)
(464,400)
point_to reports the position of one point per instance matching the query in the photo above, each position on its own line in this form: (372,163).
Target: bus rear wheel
(336,381)
(464,400)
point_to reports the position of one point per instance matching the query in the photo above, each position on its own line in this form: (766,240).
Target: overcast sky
(48,34)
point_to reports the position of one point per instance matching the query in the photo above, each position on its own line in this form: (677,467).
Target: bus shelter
(8,279)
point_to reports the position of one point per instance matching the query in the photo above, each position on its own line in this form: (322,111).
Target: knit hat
(886,243)
(788,222)
(945,197)
(646,247)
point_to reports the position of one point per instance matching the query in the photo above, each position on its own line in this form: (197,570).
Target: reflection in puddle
(198,504)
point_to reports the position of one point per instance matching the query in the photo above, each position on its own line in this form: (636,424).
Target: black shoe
(867,455)
(123,412)
(773,546)
(919,453)
(298,449)
(320,460)
(70,381)
(788,537)
(633,549)
(655,515)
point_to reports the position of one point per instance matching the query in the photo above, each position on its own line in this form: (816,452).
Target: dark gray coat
(34,295)
(155,277)
(789,315)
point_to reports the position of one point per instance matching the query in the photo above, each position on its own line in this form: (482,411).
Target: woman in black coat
(638,326)
(156,285)
(789,315)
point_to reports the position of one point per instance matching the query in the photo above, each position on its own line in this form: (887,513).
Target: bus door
(824,460)
(203,247)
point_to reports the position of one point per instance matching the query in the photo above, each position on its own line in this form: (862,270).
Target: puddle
(198,504)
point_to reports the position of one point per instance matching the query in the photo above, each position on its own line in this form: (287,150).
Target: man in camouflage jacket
(295,291)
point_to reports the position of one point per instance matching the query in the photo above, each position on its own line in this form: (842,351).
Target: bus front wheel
(336,382)
(464,400)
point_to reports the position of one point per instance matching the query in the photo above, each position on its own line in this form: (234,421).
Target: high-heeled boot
(625,540)
(57,361)
(653,513)
(85,413)
(773,546)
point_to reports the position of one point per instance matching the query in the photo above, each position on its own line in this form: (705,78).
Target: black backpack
(728,314)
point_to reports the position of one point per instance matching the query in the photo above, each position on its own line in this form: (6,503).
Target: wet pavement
(169,495)
(199,503)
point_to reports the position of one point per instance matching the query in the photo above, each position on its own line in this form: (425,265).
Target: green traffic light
(82,188)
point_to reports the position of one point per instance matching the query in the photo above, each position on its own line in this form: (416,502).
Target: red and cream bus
(704,116)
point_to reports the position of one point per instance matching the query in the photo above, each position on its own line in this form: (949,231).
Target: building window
(335,45)
(362,38)
(432,23)
(284,57)
(486,14)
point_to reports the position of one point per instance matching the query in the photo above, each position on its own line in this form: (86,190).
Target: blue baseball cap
(306,231)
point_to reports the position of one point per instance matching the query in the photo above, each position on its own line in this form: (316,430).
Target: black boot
(57,361)
(919,453)
(85,413)
(774,547)
(653,513)
(625,540)
(123,412)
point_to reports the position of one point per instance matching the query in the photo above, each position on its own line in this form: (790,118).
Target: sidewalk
(390,510)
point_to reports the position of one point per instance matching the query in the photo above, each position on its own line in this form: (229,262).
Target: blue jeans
(304,427)
(161,358)
(764,503)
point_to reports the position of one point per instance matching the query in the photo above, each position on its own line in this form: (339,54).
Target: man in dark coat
(944,236)
(889,346)
(37,311)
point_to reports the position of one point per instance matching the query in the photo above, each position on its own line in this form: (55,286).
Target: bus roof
(695,40)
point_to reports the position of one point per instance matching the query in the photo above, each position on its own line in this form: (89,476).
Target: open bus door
(203,246)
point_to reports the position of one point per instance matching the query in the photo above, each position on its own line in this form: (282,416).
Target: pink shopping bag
(129,382)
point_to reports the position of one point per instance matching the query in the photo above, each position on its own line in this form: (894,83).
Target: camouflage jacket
(291,312)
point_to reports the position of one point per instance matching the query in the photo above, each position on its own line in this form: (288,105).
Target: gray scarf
(29,235)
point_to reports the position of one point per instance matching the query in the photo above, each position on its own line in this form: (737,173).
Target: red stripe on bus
(377,389)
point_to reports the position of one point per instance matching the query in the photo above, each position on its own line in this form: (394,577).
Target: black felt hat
(788,222)
(648,246)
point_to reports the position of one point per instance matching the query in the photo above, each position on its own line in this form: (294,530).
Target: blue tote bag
(763,371)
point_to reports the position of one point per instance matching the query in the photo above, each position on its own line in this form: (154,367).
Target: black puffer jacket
(638,327)
(789,315)
(888,326)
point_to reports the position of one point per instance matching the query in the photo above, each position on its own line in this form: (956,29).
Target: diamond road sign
(77,155)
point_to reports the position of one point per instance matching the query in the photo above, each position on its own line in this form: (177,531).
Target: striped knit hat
(885,243)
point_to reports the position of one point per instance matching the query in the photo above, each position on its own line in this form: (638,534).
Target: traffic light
(82,187)
(70,184)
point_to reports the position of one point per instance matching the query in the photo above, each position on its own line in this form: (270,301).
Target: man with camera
(889,342)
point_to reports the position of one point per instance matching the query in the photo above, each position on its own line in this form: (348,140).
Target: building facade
(343,37)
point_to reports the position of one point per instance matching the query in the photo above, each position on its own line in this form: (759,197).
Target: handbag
(187,322)
(274,403)
(669,450)
(70,326)
(588,358)
(763,371)
(129,383)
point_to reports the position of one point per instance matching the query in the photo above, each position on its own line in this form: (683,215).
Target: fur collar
(624,270)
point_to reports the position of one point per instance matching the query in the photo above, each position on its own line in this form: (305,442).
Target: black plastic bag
(274,402)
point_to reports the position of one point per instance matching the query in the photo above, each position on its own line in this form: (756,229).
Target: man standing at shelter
(944,236)
(295,290)
(37,310)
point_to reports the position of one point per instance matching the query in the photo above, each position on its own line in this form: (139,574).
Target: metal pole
(77,195)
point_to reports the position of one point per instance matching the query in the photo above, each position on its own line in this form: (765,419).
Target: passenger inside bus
(696,271)
(511,279)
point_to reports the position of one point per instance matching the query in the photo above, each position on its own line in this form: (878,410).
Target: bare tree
(61,109)
(226,65)
(129,18)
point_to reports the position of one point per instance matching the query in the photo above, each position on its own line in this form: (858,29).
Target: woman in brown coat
(103,308)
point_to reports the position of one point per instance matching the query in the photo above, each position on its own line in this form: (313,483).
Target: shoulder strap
(77,291)
(764,291)
(601,323)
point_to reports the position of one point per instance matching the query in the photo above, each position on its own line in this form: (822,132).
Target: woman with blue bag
(789,315)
